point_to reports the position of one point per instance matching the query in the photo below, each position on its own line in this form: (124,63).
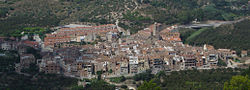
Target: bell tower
(154,29)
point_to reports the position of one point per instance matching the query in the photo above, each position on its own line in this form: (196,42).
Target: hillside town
(81,50)
(124,44)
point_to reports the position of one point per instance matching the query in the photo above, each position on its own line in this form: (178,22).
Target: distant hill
(132,14)
(233,36)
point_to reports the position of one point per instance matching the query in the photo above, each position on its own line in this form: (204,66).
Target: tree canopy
(149,86)
(238,83)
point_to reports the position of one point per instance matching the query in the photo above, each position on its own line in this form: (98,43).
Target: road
(213,23)
(232,64)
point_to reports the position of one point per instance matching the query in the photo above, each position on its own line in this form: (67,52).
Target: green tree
(110,70)
(149,86)
(99,73)
(144,76)
(118,79)
(161,74)
(99,85)
(124,86)
(221,63)
(33,69)
(246,72)
(3,12)
(238,83)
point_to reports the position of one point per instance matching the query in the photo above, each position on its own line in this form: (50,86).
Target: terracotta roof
(33,43)
(89,27)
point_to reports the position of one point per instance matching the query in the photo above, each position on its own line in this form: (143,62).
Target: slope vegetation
(233,36)
(132,14)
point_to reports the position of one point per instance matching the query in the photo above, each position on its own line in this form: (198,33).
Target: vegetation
(39,81)
(118,79)
(185,33)
(149,86)
(196,33)
(145,76)
(132,14)
(76,87)
(94,84)
(193,79)
(8,60)
(99,85)
(246,72)
(221,63)
(99,74)
(12,26)
(34,52)
(33,69)
(3,12)
(30,31)
(238,83)
(124,86)
(233,36)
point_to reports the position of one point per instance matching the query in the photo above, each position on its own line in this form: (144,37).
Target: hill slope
(234,36)
(133,14)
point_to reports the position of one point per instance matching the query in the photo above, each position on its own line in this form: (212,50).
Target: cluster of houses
(116,52)
(23,47)
(73,33)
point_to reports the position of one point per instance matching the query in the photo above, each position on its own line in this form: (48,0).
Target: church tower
(154,28)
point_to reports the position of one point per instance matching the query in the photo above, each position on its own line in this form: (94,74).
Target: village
(81,51)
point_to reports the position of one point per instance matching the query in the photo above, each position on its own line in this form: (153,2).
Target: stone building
(26,60)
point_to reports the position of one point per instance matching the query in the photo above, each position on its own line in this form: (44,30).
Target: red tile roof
(32,43)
